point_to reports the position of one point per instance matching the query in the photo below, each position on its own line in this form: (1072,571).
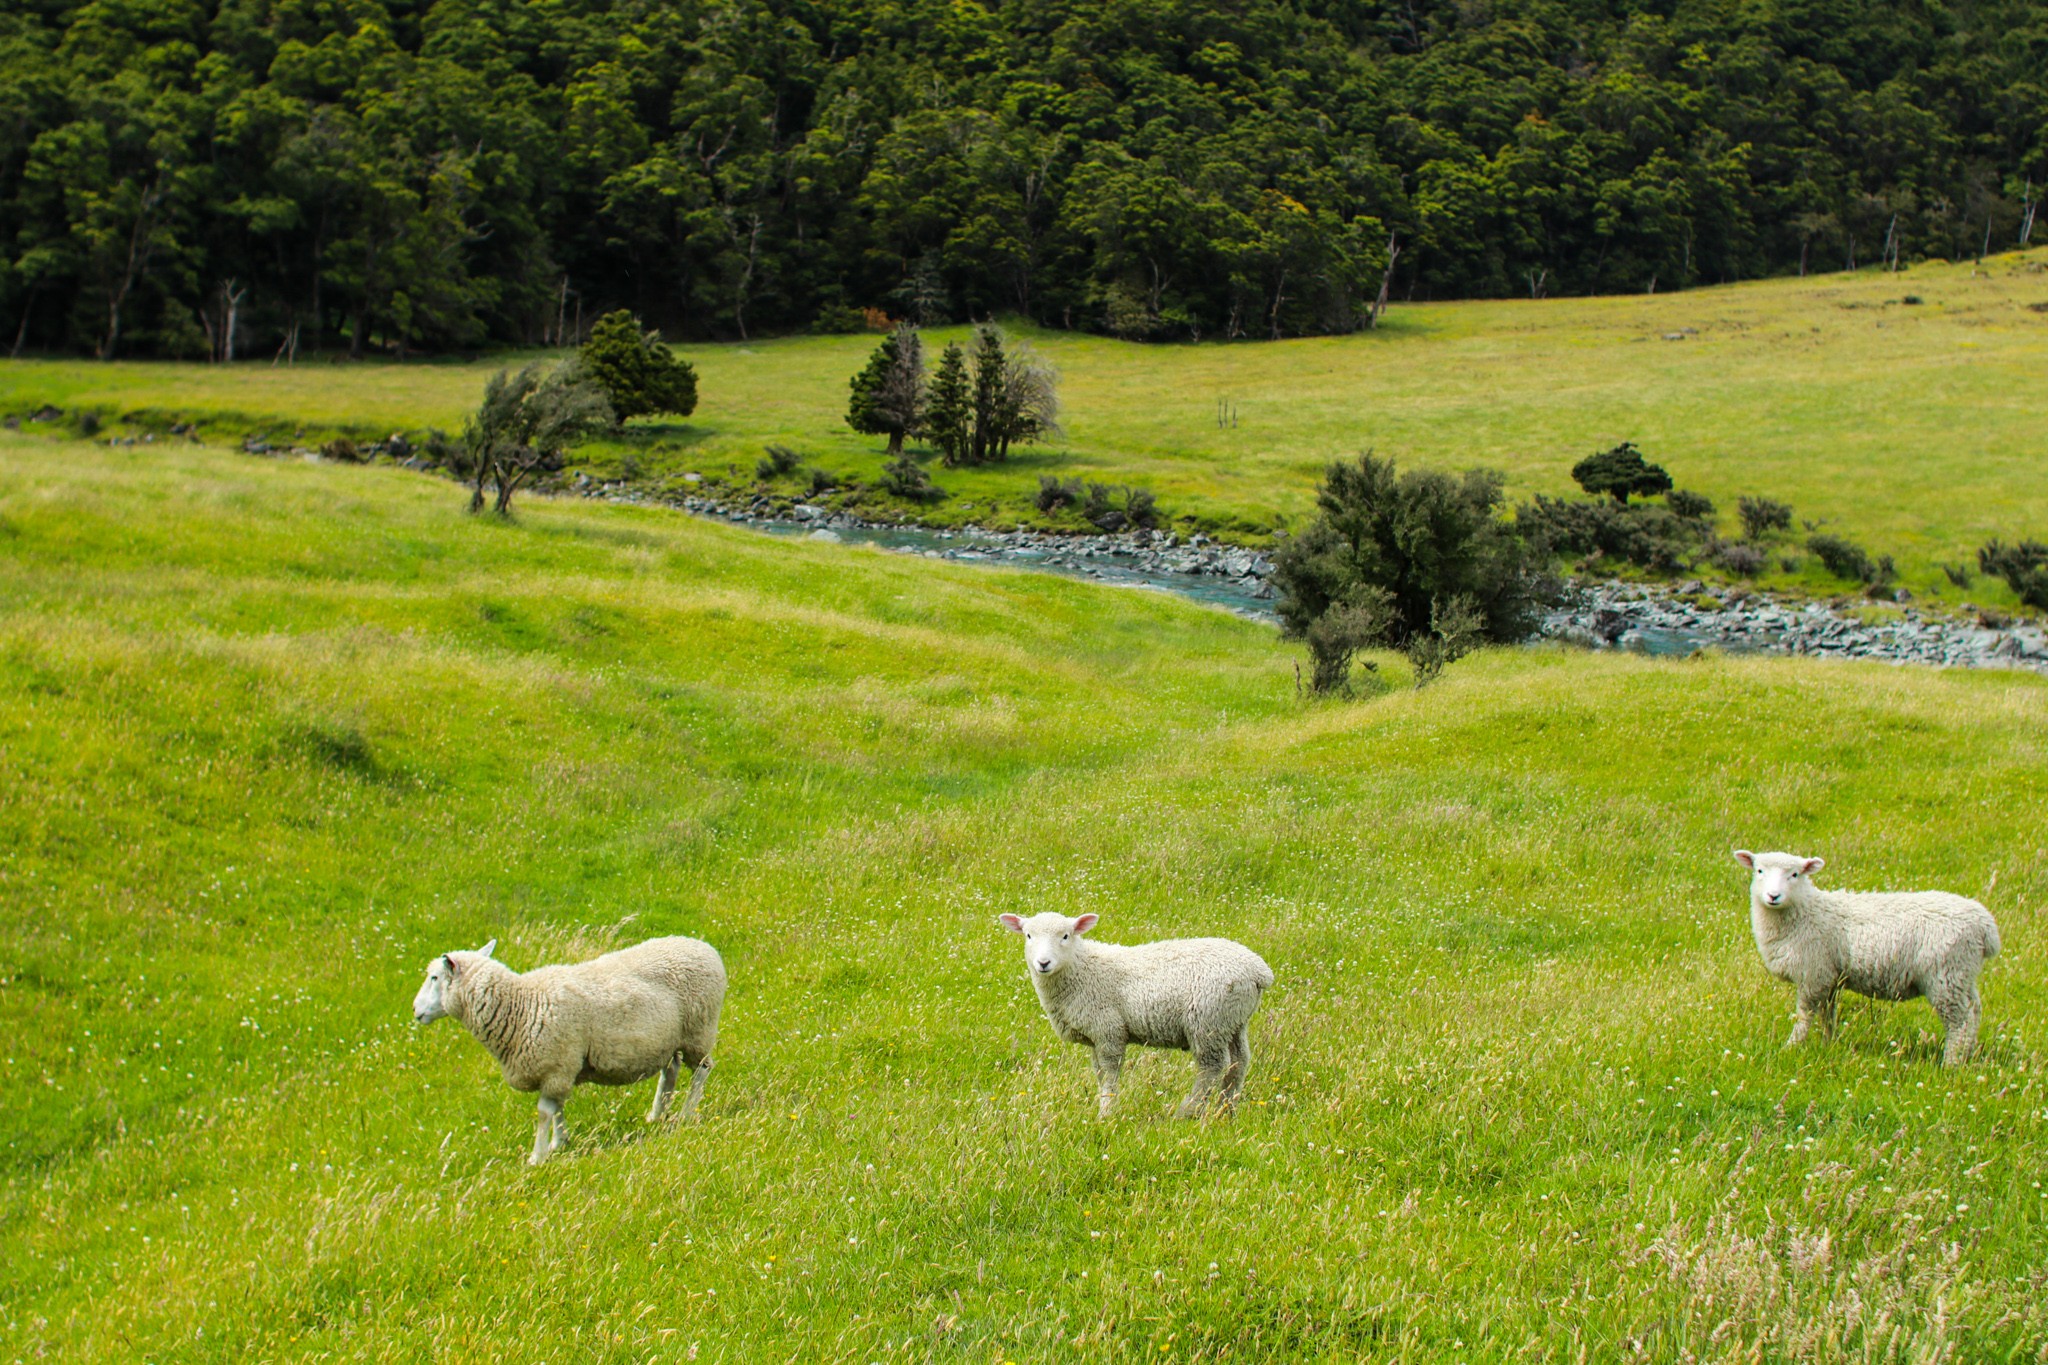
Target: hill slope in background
(1911,428)
(273,735)
(437,174)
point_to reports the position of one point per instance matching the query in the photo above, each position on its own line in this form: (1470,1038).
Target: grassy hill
(1914,428)
(272,735)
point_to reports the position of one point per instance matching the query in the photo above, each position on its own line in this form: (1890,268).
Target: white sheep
(1890,945)
(614,1020)
(1194,994)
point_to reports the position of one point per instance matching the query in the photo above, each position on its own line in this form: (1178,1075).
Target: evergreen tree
(949,412)
(639,374)
(985,436)
(889,392)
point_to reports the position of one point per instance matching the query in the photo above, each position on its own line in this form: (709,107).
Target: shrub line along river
(1647,618)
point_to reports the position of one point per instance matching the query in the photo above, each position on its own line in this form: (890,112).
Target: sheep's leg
(1240,1064)
(699,1074)
(1212,1065)
(1959,1011)
(665,1087)
(1109,1065)
(1816,1006)
(548,1131)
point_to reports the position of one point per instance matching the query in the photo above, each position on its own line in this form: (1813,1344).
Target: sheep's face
(1049,939)
(444,977)
(1778,879)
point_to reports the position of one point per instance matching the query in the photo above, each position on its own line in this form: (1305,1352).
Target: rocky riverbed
(1667,620)
(1652,618)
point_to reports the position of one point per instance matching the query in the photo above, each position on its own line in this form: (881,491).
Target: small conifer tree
(888,396)
(949,411)
(638,374)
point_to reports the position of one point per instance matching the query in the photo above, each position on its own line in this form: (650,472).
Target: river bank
(1651,618)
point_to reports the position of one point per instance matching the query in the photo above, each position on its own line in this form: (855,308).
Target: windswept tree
(1030,405)
(889,392)
(639,376)
(526,424)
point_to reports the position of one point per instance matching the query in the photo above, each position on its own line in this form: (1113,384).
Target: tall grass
(271,736)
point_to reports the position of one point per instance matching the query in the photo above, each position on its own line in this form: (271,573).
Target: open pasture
(1912,428)
(272,735)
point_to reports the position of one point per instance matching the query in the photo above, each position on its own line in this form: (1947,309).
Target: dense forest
(200,177)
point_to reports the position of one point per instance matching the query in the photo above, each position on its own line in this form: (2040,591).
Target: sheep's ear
(486,950)
(1084,924)
(1011,922)
(1814,865)
(448,961)
(1746,858)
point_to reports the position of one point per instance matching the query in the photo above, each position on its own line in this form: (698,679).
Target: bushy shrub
(820,481)
(1744,561)
(638,374)
(1846,559)
(86,423)
(1141,508)
(1762,516)
(1958,574)
(1420,561)
(442,451)
(1689,505)
(2024,567)
(1645,535)
(780,460)
(1053,494)
(1620,473)
(341,448)
(905,478)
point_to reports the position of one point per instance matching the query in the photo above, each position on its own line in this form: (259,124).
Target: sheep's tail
(1991,944)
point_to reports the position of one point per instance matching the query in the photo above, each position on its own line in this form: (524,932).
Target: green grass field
(1915,429)
(273,734)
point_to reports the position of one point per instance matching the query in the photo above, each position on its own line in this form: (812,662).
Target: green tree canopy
(888,393)
(639,375)
(1621,473)
(436,175)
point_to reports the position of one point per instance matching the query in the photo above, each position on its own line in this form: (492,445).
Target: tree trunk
(896,442)
(1379,306)
(21,333)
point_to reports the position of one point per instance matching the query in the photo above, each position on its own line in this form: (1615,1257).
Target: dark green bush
(1053,494)
(1420,561)
(1846,559)
(1141,508)
(1762,516)
(87,423)
(780,460)
(2024,567)
(1689,505)
(1644,534)
(820,481)
(638,374)
(905,478)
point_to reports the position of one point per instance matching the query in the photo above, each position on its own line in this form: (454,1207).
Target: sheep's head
(1049,939)
(444,983)
(1778,879)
